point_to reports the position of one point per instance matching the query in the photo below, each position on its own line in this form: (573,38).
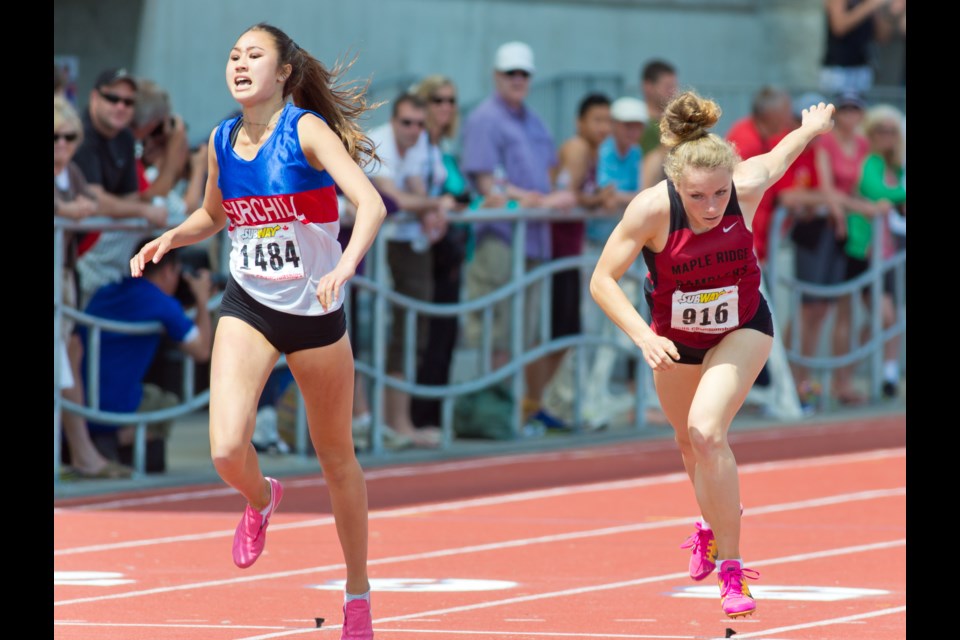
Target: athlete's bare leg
(325,375)
(240,365)
(729,371)
(701,402)
(675,389)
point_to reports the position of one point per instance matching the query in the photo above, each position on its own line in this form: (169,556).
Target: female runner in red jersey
(711,330)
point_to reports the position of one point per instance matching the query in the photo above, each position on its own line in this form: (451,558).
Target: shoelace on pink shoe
(732,580)
(696,539)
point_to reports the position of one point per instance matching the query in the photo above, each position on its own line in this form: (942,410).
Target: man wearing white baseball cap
(508,154)
(514,56)
(619,161)
(620,155)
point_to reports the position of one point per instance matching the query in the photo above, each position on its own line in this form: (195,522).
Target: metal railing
(375,285)
(190,401)
(871,352)
(513,292)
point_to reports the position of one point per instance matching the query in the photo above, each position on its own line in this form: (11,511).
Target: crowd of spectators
(126,155)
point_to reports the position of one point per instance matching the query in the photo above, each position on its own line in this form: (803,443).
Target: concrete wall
(726,48)
(100,33)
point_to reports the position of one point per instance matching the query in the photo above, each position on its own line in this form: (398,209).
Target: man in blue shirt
(125,358)
(619,160)
(508,153)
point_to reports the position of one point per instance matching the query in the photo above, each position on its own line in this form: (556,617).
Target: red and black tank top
(702,286)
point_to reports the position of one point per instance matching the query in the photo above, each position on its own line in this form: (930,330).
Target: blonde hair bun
(688,117)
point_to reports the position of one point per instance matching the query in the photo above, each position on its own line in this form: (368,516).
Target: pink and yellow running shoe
(251,534)
(703,554)
(357,621)
(735,597)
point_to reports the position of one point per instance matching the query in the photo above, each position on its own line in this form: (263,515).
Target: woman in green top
(882,180)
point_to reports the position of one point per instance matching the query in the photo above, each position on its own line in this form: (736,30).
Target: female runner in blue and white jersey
(271,180)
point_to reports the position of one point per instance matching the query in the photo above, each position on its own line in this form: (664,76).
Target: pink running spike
(357,621)
(251,534)
(703,555)
(735,597)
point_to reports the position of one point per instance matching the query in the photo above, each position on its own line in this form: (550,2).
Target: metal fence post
(517,350)
(58,346)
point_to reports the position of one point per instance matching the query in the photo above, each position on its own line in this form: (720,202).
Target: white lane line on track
(397,513)
(373,475)
(516,634)
(137,625)
(489,633)
(445,632)
(493,546)
(636,582)
(466,465)
(823,623)
(488,501)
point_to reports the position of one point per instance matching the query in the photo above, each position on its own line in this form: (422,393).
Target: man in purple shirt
(507,155)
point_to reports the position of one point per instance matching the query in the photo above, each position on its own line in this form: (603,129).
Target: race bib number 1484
(270,251)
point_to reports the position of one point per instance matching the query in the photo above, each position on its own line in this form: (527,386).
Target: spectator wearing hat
(576,171)
(619,159)
(107,158)
(818,227)
(620,162)
(508,154)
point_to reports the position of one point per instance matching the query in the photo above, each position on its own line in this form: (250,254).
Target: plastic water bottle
(499,179)
(420,242)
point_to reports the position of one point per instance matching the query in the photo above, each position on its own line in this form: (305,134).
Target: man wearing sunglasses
(108,161)
(508,154)
(411,176)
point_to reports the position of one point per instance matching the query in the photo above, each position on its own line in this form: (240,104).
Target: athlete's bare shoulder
(647,217)
(316,139)
(650,206)
(311,122)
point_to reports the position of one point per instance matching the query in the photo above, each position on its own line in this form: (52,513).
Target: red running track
(571,544)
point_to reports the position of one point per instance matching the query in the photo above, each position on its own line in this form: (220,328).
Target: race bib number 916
(270,251)
(707,310)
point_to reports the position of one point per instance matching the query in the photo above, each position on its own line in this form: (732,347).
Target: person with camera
(125,359)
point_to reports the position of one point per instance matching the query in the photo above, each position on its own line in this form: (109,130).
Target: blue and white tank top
(282,215)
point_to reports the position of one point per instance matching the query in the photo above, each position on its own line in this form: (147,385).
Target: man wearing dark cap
(850,100)
(107,159)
